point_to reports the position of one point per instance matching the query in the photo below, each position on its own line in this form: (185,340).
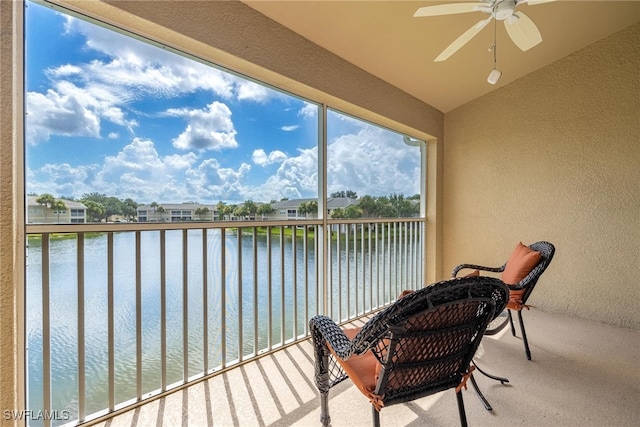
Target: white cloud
(69,110)
(247,90)
(373,161)
(83,94)
(289,128)
(211,181)
(207,129)
(139,172)
(308,111)
(296,177)
(62,179)
(55,113)
(261,158)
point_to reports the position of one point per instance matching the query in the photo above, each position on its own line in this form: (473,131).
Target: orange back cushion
(522,261)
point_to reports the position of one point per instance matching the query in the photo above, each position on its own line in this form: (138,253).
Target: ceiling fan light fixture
(494,76)
(504,9)
(513,19)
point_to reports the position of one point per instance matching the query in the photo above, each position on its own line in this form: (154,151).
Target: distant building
(283,210)
(181,212)
(74,212)
(290,209)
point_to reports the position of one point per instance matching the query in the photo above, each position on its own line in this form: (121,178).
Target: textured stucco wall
(11,243)
(555,156)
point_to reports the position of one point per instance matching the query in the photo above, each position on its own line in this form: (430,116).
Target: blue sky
(110,114)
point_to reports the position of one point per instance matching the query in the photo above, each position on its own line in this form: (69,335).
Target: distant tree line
(393,206)
(99,206)
(102,207)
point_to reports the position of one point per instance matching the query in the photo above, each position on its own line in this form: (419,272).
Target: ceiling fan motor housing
(504,9)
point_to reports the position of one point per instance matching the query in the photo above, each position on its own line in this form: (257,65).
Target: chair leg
(325,419)
(463,416)
(513,328)
(376,416)
(483,399)
(493,377)
(524,336)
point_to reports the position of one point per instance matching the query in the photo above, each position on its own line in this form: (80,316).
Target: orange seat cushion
(522,261)
(361,369)
(515,299)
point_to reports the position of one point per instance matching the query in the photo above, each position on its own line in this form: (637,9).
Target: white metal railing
(119,313)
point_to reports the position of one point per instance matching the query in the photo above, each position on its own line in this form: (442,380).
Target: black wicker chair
(519,293)
(420,345)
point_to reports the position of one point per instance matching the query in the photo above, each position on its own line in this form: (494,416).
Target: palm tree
(154,205)
(352,211)
(368,206)
(160,210)
(337,213)
(58,206)
(95,210)
(46,200)
(202,212)
(241,211)
(312,207)
(302,209)
(252,208)
(265,209)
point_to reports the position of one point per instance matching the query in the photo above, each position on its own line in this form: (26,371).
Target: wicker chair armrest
(328,331)
(457,269)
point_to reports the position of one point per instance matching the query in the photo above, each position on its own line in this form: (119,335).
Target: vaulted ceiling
(384,39)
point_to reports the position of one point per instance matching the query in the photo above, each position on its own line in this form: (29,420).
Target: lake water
(64,306)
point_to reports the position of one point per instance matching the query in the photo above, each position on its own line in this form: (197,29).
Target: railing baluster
(138,318)
(363,280)
(185,306)
(355,270)
(387,263)
(223,297)
(110,322)
(282,274)
(305,260)
(395,258)
(81,332)
(239,290)
(412,255)
(402,255)
(269,291)
(163,310)
(329,292)
(46,328)
(256,325)
(205,303)
(339,274)
(370,258)
(294,275)
(377,250)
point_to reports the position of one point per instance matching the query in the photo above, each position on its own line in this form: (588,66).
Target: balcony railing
(119,313)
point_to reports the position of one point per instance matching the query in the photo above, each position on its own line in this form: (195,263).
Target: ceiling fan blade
(446,9)
(535,2)
(523,32)
(462,40)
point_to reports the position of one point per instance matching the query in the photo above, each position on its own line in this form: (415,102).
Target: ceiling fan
(519,26)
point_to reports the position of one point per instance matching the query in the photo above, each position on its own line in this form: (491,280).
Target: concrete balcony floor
(582,373)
